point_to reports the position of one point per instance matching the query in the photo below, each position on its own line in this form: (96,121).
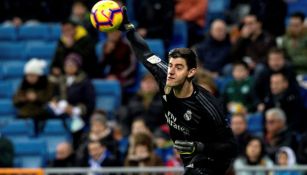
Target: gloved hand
(126,25)
(186,147)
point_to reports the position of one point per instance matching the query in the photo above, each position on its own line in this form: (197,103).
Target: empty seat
(18,129)
(13,69)
(7,33)
(180,34)
(34,32)
(11,51)
(6,107)
(7,89)
(55,32)
(108,94)
(41,50)
(255,123)
(30,153)
(156,46)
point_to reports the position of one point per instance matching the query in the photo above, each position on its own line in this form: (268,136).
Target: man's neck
(184,90)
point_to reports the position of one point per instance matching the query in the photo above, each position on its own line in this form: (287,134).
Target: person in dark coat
(75,39)
(214,51)
(34,93)
(155,19)
(99,130)
(75,97)
(64,157)
(302,149)
(99,156)
(6,152)
(254,43)
(239,129)
(146,104)
(277,133)
(276,62)
(282,96)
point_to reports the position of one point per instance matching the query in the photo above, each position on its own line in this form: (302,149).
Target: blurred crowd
(253,59)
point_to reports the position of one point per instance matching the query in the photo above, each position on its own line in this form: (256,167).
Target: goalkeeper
(198,127)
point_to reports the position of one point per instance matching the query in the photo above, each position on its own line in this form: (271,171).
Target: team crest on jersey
(188,115)
(154,59)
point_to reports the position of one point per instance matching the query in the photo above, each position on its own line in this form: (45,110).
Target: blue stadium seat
(108,94)
(10,51)
(41,50)
(8,89)
(55,32)
(13,69)
(180,34)
(30,153)
(255,123)
(34,32)
(221,83)
(18,129)
(157,47)
(54,133)
(297,6)
(5,119)
(8,33)
(6,107)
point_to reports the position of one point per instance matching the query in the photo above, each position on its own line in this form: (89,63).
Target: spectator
(76,97)
(142,153)
(74,39)
(81,16)
(99,156)
(192,11)
(286,158)
(295,42)
(285,98)
(118,56)
(302,149)
(99,130)
(146,104)
(164,145)
(32,96)
(214,51)
(239,129)
(273,20)
(240,89)
(254,43)
(64,157)
(7,153)
(276,62)
(255,155)
(155,19)
(277,133)
(205,80)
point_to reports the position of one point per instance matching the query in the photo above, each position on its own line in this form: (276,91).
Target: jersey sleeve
(155,65)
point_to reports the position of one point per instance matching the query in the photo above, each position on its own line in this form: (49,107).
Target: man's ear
(192,72)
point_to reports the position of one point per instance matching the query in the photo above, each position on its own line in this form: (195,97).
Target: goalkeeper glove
(126,25)
(186,147)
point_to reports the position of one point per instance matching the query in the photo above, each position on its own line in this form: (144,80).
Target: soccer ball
(106,16)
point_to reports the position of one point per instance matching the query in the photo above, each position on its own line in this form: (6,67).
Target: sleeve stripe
(210,108)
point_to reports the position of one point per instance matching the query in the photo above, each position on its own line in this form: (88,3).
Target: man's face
(252,23)
(63,151)
(278,84)
(68,30)
(218,30)
(276,61)
(273,124)
(177,72)
(240,72)
(95,150)
(295,26)
(238,125)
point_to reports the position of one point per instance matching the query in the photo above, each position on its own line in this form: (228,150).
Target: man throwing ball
(198,126)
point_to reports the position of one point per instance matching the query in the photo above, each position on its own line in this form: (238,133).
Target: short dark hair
(276,50)
(241,63)
(187,54)
(69,21)
(299,15)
